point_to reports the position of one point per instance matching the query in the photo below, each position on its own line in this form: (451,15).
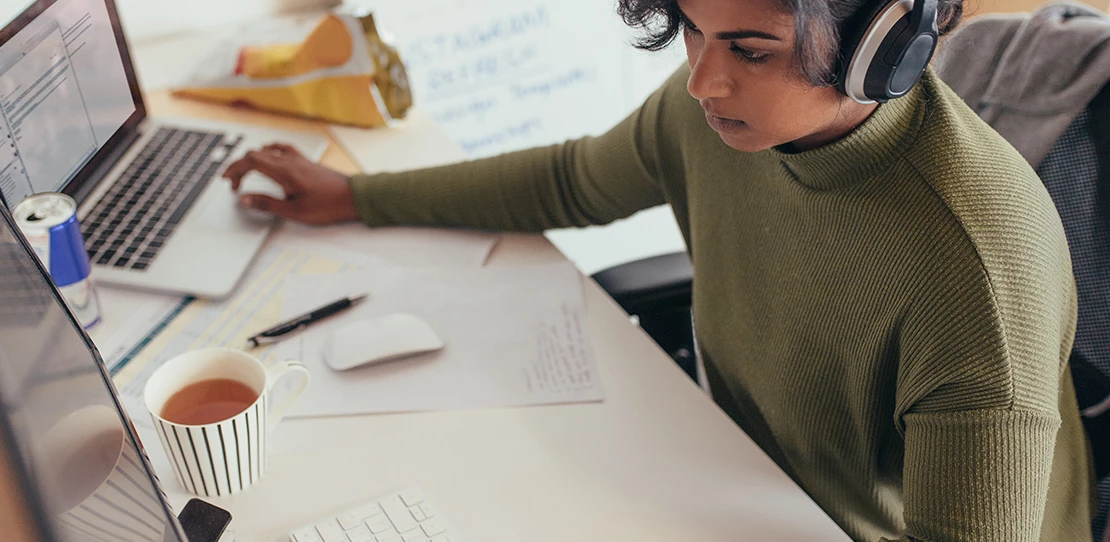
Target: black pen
(303,321)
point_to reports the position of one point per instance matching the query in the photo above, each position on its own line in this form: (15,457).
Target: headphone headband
(924,15)
(886,56)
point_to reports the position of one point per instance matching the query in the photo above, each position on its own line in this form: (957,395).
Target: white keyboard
(405,516)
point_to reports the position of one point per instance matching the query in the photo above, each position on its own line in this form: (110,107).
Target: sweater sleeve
(983,352)
(977,475)
(592,180)
(976,466)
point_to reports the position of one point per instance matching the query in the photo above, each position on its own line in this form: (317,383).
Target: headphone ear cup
(852,37)
(893,52)
(914,61)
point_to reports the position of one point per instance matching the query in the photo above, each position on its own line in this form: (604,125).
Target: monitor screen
(65,92)
(60,412)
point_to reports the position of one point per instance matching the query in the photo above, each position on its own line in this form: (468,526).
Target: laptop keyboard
(132,221)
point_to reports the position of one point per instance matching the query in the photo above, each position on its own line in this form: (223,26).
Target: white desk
(657,460)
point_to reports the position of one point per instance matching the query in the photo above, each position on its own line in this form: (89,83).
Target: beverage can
(49,222)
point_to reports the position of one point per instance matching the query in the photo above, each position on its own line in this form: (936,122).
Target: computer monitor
(72,449)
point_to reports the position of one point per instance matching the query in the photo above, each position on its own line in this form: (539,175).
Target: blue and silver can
(49,221)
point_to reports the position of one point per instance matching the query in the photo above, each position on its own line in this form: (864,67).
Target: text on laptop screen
(63,94)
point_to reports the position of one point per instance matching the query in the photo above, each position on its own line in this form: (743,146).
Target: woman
(883,293)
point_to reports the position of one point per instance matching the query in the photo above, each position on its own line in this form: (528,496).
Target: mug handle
(277,372)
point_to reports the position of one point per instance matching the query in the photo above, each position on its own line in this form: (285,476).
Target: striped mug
(227,455)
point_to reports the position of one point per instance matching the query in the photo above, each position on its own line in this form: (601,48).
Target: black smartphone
(203,522)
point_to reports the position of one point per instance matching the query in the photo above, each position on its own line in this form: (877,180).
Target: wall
(1006,6)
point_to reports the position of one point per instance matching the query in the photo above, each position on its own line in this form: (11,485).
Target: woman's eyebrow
(738,34)
(741,34)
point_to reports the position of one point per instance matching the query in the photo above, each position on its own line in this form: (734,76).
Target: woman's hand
(314,194)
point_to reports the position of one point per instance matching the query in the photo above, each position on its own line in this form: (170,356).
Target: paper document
(129,317)
(147,339)
(255,305)
(514,336)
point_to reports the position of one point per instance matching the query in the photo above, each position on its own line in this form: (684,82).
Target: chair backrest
(1073,175)
(1076,173)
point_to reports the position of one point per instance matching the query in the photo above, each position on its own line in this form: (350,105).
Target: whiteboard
(502,75)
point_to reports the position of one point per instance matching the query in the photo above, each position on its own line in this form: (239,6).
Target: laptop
(153,210)
(68,450)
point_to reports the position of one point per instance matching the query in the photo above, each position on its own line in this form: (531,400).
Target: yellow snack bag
(327,46)
(340,71)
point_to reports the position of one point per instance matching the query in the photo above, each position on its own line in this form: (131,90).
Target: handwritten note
(563,361)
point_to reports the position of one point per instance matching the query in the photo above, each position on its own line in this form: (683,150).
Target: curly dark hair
(818,25)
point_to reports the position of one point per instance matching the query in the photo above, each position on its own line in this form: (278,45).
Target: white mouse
(257,183)
(373,340)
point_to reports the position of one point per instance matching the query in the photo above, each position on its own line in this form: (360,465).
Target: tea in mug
(208,401)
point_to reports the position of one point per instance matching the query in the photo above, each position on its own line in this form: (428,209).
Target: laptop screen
(66,88)
(89,479)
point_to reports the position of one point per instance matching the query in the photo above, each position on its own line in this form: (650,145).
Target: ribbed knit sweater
(888,316)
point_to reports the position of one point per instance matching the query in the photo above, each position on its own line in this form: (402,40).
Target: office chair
(1076,173)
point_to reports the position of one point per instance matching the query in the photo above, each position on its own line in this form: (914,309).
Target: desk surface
(657,460)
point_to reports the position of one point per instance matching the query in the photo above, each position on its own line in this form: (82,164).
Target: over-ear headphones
(886,53)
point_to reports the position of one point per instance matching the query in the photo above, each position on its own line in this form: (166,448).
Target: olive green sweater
(888,316)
